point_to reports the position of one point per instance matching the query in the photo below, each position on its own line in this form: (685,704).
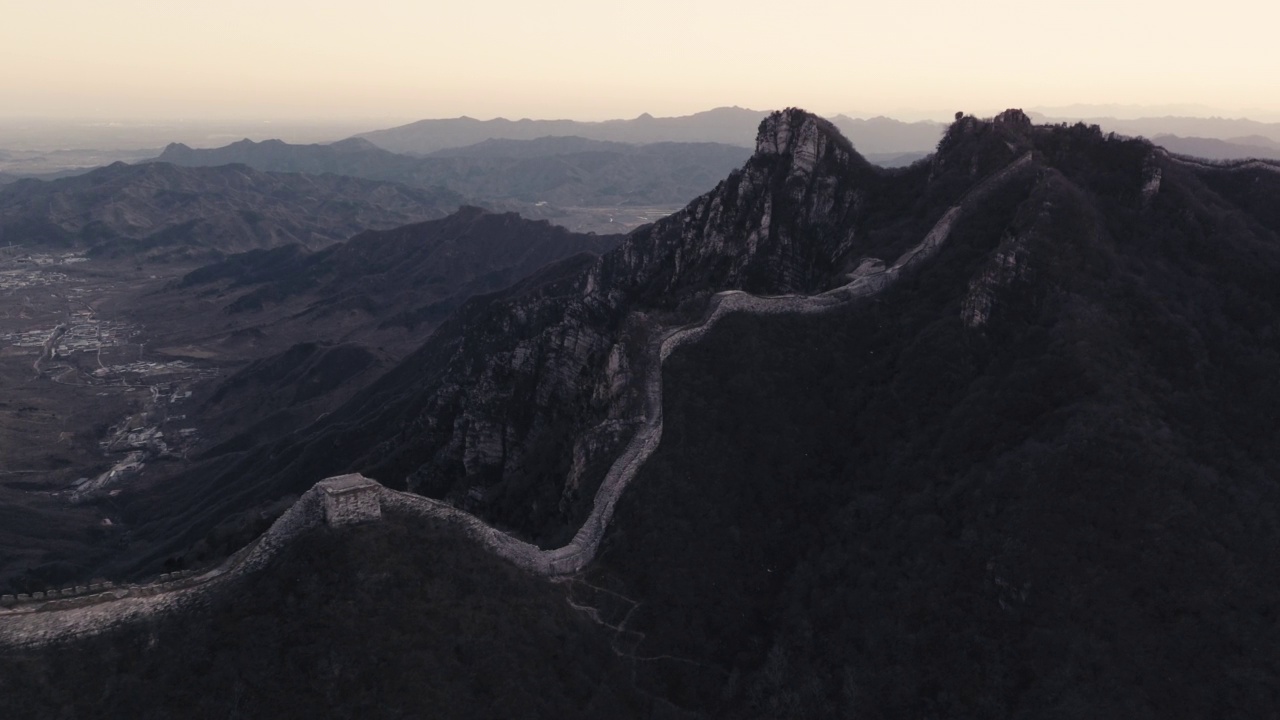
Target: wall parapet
(55,615)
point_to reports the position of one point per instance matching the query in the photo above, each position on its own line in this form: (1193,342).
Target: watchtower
(350,499)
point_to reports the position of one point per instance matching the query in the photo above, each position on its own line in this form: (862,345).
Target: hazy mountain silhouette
(161,210)
(1202,127)
(565,171)
(1215,149)
(1032,476)
(734,126)
(882,136)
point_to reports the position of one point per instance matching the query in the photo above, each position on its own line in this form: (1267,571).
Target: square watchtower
(350,499)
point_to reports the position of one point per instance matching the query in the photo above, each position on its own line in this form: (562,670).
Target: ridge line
(38,626)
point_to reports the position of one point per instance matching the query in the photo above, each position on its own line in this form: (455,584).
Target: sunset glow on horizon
(329,60)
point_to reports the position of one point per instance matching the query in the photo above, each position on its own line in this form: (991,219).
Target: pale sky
(593,59)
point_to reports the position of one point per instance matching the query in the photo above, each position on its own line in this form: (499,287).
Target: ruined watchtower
(350,499)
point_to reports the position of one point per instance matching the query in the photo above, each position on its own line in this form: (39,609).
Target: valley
(684,361)
(67,334)
(756,439)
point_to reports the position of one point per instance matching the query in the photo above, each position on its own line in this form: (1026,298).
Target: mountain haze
(1219,128)
(159,210)
(565,172)
(989,435)
(733,126)
(730,125)
(237,353)
(1215,149)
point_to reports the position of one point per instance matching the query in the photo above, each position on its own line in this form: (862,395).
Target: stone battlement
(350,499)
(81,595)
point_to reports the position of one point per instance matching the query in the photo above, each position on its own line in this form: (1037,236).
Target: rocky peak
(977,146)
(783,223)
(804,138)
(1013,118)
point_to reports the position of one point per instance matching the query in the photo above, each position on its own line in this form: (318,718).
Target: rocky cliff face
(1055,413)
(517,405)
(786,222)
(515,408)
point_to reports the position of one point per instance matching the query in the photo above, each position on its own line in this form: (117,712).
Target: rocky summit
(515,408)
(988,435)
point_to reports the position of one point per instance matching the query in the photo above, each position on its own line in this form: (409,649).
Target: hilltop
(986,435)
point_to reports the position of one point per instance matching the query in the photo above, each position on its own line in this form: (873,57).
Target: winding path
(35,625)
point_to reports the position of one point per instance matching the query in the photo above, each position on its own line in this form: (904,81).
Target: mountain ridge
(1057,423)
(160,209)
(572,319)
(562,172)
(806,141)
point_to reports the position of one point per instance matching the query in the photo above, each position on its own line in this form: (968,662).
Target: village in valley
(87,404)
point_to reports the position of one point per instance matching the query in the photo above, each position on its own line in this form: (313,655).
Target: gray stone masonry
(350,499)
(27,620)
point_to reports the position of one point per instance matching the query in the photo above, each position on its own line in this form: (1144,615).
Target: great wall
(55,616)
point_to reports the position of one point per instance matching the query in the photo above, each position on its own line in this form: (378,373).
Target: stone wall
(344,499)
(350,499)
(53,617)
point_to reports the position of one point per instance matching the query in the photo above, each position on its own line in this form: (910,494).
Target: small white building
(350,499)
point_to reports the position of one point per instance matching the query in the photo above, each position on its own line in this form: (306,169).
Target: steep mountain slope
(357,623)
(239,353)
(517,405)
(1031,477)
(1036,480)
(321,325)
(159,210)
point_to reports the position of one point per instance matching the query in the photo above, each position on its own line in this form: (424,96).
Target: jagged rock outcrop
(545,383)
(1083,468)
(517,406)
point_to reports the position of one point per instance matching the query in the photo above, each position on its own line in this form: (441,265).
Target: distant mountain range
(880,139)
(1215,149)
(562,171)
(159,210)
(51,164)
(1211,127)
(730,125)
(992,435)
(1052,411)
